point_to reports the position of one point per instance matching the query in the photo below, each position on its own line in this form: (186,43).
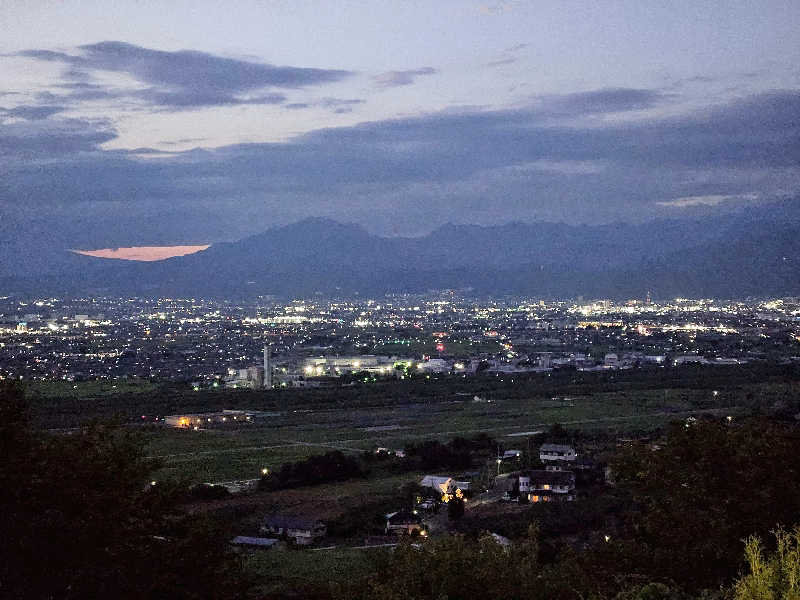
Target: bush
(208,491)
(324,468)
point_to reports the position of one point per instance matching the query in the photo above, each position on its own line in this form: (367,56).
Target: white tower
(267,368)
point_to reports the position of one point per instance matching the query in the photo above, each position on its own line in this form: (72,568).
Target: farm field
(240,453)
(393,413)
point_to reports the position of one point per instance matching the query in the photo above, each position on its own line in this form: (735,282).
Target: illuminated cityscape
(465,300)
(312,343)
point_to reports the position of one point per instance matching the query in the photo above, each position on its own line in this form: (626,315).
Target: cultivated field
(393,413)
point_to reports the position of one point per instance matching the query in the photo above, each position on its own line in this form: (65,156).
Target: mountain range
(754,252)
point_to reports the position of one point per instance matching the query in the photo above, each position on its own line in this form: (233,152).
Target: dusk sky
(188,123)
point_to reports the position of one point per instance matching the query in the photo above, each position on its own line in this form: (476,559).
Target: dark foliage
(455,509)
(452,567)
(323,468)
(207,491)
(711,485)
(78,520)
(431,455)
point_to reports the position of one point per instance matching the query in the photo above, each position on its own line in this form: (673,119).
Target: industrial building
(205,420)
(255,377)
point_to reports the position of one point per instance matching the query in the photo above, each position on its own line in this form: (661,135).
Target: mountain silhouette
(749,253)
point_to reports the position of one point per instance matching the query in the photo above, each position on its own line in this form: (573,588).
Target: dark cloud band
(185,78)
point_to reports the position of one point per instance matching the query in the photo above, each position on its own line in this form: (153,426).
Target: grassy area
(225,454)
(88,389)
(393,413)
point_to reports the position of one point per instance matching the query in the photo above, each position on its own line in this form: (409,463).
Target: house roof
(551,477)
(556,448)
(291,522)
(435,481)
(243,540)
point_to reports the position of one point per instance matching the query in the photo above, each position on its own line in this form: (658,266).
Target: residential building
(304,531)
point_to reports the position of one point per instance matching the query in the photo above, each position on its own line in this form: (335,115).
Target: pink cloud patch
(143,253)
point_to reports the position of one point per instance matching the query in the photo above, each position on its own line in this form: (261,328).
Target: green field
(393,413)
(240,453)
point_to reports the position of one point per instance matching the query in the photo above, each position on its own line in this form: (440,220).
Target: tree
(774,577)
(710,486)
(79,521)
(454,567)
(652,591)
(455,508)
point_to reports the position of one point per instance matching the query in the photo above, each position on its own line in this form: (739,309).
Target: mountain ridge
(736,255)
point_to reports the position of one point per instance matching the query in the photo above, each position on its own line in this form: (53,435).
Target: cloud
(337,102)
(185,78)
(336,105)
(32,113)
(192,140)
(404,175)
(569,167)
(398,78)
(710,200)
(508,56)
(608,100)
(181,100)
(498,8)
(143,253)
(502,61)
(24,141)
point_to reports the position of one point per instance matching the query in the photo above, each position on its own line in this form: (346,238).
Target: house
(537,485)
(403,522)
(426,505)
(507,483)
(204,420)
(304,531)
(556,454)
(543,486)
(440,484)
(254,542)
(444,485)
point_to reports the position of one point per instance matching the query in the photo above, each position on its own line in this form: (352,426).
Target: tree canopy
(80,520)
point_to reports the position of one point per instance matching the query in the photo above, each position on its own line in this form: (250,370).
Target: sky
(127,124)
